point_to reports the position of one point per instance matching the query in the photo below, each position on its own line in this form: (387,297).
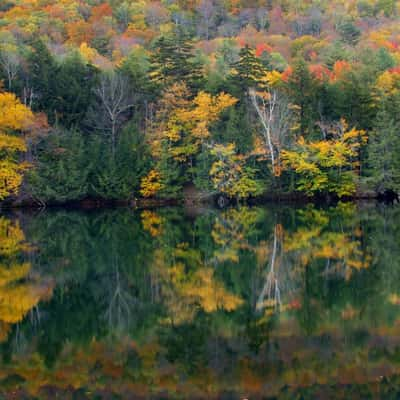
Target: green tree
(248,70)
(173,61)
(62,169)
(349,32)
(43,77)
(384,153)
(117,177)
(73,90)
(302,88)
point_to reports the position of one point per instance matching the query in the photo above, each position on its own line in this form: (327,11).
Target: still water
(270,302)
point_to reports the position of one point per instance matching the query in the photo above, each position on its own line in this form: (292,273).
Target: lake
(244,303)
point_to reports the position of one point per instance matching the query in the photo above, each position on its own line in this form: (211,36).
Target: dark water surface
(272,302)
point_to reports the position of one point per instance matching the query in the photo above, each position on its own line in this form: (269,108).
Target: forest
(121,100)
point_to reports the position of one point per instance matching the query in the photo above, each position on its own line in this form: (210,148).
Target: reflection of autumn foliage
(316,240)
(193,309)
(187,285)
(20,289)
(202,288)
(231,230)
(394,298)
(152,222)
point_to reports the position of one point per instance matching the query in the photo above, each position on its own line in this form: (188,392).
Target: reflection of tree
(109,265)
(120,301)
(152,222)
(231,232)
(20,288)
(319,239)
(271,289)
(187,285)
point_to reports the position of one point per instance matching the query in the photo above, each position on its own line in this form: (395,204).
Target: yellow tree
(188,124)
(230,175)
(179,132)
(14,117)
(327,166)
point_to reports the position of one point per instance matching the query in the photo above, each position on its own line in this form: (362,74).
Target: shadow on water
(248,302)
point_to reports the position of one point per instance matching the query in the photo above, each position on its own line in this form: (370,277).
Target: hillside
(123,99)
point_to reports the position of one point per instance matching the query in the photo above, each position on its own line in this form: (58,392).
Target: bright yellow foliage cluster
(151,184)
(204,111)
(181,128)
(327,165)
(229,173)
(388,83)
(188,121)
(14,117)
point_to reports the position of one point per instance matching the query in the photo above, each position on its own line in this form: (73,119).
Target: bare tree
(275,115)
(114,101)
(206,10)
(9,61)
(262,18)
(156,14)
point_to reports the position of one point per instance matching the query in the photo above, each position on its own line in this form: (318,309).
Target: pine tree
(302,90)
(173,62)
(42,76)
(248,70)
(74,85)
(384,153)
(63,169)
(116,177)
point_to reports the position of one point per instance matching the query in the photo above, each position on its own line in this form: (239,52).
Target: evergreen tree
(117,177)
(63,91)
(384,153)
(172,176)
(302,92)
(74,85)
(247,71)
(42,78)
(235,127)
(173,61)
(349,33)
(62,169)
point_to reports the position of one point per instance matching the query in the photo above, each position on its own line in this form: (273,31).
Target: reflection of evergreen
(73,315)
(186,344)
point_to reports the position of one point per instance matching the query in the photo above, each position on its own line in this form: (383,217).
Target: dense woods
(118,100)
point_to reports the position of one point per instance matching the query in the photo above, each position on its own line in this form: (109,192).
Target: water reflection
(247,302)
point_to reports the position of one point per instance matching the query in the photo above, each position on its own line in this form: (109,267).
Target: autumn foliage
(14,118)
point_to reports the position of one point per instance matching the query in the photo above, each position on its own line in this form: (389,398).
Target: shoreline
(140,203)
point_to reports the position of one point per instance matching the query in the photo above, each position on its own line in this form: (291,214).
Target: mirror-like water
(272,302)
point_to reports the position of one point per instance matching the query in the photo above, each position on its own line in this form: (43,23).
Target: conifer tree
(384,153)
(173,62)
(42,76)
(248,70)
